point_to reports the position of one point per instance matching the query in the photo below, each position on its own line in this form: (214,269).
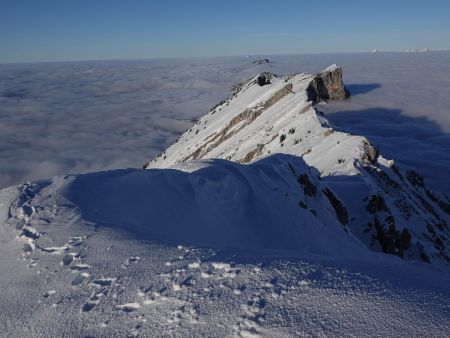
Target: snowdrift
(275,203)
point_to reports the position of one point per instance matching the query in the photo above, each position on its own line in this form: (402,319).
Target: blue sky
(45,30)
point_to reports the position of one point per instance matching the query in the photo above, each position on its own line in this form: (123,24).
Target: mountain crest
(387,208)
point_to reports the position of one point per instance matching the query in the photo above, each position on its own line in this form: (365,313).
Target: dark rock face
(376,204)
(445,206)
(415,179)
(307,185)
(392,241)
(340,210)
(328,85)
(263,80)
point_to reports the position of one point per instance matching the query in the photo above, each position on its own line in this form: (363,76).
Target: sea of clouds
(75,117)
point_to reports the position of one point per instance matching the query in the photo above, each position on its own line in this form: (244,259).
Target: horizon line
(221,56)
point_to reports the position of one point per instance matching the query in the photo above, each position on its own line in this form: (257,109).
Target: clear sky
(45,30)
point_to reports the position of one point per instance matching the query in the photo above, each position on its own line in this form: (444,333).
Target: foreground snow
(187,253)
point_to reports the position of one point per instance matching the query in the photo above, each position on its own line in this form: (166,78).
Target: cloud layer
(58,118)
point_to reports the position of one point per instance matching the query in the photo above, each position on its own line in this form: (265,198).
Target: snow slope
(214,249)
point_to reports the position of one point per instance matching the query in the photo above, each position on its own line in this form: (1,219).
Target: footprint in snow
(21,223)
(55,249)
(249,324)
(76,241)
(28,248)
(94,300)
(68,258)
(88,306)
(49,293)
(80,279)
(129,307)
(29,232)
(27,211)
(80,267)
(130,260)
(32,264)
(103,281)
(185,312)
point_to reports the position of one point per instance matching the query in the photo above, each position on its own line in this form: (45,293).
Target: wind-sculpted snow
(220,204)
(209,248)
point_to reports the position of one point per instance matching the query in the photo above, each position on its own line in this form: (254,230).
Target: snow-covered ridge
(390,210)
(273,246)
(259,120)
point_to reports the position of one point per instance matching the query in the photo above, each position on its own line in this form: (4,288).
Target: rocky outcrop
(339,209)
(263,79)
(370,154)
(328,85)
(392,241)
(261,61)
